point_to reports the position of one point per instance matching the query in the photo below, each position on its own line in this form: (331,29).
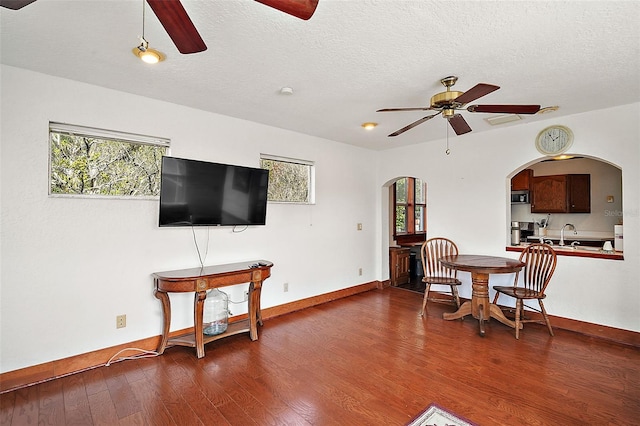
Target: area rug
(435,415)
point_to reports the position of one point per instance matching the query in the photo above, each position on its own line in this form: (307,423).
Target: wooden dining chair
(540,263)
(437,274)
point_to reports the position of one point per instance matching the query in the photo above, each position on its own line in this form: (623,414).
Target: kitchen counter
(568,239)
(580,251)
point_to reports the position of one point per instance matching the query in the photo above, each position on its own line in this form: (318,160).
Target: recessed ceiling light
(548,109)
(369,125)
(286,91)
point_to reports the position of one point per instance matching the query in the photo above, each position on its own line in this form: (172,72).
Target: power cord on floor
(145,354)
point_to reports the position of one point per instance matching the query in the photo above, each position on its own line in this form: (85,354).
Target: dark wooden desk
(199,280)
(480,267)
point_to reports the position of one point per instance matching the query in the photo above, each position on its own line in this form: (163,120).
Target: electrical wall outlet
(359,227)
(359,271)
(285,287)
(121,321)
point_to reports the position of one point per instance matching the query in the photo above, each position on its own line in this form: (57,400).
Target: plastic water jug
(215,317)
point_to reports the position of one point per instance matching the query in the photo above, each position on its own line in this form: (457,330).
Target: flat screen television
(199,193)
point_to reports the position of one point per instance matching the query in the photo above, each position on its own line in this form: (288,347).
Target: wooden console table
(199,280)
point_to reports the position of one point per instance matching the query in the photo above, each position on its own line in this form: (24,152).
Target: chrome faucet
(575,232)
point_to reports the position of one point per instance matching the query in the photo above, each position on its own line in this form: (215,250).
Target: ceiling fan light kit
(142,51)
(148,55)
(450,101)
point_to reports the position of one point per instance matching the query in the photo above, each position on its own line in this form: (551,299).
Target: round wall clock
(554,140)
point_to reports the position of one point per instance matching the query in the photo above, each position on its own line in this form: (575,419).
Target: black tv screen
(199,193)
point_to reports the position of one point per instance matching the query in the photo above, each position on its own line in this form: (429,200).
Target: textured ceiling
(350,59)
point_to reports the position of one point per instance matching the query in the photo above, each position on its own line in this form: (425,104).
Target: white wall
(69,266)
(468,202)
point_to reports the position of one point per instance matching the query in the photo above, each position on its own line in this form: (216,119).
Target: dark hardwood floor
(369,359)
(415,284)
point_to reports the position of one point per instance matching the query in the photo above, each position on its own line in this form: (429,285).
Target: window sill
(410,239)
(579,252)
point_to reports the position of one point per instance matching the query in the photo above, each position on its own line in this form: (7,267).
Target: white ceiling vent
(502,119)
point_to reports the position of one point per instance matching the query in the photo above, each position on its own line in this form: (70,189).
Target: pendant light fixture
(143,51)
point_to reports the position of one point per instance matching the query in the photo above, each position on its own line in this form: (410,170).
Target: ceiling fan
(179,26)
(450,101)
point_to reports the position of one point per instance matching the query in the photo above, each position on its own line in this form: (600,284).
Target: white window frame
(311,198)
(113,135)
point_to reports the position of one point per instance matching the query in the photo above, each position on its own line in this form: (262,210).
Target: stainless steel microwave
(519,197)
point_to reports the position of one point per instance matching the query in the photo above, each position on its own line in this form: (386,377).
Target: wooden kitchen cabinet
(579,188)
(399,265)
(561,194)
(522,181)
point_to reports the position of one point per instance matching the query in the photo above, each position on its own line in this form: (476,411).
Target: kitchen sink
(586,248)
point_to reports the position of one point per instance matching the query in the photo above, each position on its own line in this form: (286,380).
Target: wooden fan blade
(302,9)
(477,91)
(505,109)
(178,25)
(15,4)
(404,109)
(459,125)
(412,125)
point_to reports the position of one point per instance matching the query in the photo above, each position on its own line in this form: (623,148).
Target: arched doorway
(602,219)
(407,228)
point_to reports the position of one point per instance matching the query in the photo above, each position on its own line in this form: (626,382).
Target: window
(420,205)
(94,162)
(402,205)
(290,180)
(410,201)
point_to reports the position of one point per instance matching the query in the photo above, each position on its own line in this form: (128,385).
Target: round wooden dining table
(481,267)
